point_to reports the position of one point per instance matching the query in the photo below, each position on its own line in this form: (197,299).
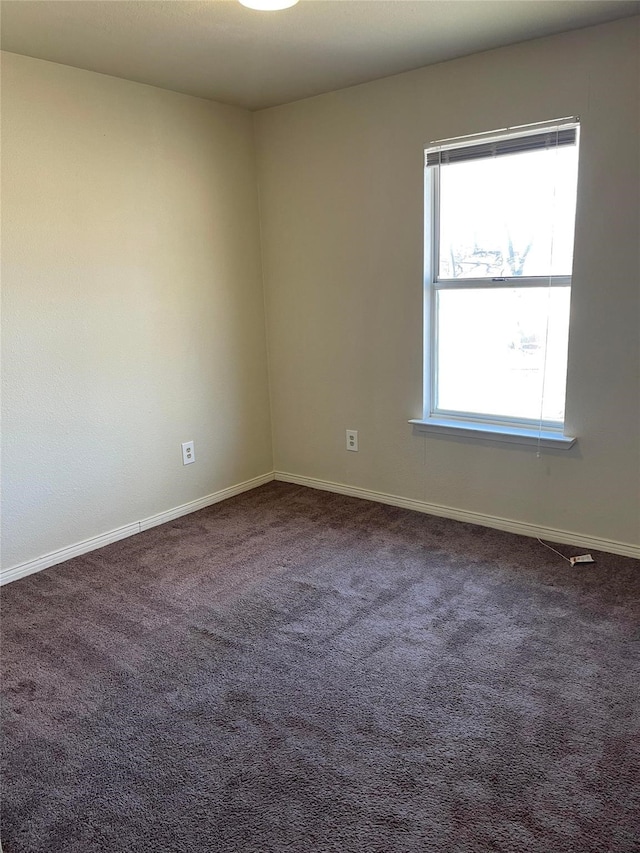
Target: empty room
(320,426)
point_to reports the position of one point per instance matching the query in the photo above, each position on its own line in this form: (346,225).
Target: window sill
(494,432)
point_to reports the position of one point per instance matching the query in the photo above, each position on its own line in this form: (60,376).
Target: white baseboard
(509,525)
(55,557)
(201,503)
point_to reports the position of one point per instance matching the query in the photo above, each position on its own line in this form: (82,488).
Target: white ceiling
(220,50)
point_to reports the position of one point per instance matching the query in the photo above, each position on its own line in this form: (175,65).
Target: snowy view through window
(502,350)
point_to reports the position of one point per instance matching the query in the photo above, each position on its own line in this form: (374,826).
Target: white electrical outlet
(188,452)
(352,439)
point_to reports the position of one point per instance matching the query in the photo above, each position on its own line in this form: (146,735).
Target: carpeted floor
(293,671)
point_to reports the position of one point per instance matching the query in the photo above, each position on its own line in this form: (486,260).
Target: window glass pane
(508,216)
(498,354)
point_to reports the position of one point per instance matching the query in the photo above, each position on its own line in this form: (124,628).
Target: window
(500,213)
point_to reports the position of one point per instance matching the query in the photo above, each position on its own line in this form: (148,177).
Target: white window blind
(460,152)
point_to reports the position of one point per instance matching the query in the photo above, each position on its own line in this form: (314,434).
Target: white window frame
(538,432)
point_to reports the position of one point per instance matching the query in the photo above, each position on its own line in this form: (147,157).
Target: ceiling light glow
(268,5)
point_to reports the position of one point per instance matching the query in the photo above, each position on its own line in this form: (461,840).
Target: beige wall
(341,198)
(133,306)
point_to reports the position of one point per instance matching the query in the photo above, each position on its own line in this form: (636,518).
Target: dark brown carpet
(297,672)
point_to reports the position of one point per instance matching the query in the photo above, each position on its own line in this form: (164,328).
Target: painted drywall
(133,311)
(342,223)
